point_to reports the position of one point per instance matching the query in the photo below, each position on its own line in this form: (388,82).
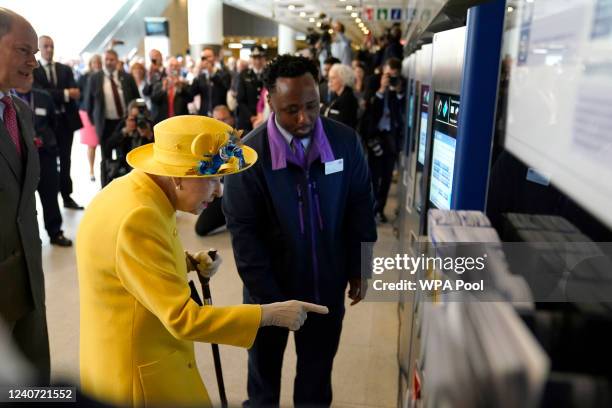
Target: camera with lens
(393,80)
(142,119)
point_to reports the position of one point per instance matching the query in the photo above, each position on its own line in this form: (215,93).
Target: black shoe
(61,240)
(70,203)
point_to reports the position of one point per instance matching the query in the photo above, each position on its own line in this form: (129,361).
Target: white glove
(290,314)
(202,263)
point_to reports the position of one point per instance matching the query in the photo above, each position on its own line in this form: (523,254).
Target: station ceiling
(302,14)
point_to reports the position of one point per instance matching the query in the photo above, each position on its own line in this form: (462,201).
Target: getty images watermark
(477,271)
(411,265)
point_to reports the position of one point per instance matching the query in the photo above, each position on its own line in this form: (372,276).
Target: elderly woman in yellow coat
(138,321)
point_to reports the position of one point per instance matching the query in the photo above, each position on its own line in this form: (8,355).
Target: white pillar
(205,22)
(286,40)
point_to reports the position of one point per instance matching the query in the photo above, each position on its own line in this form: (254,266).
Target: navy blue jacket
(43,114)
(274,246)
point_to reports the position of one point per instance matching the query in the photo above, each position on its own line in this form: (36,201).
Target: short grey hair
(7,17)
(345,73)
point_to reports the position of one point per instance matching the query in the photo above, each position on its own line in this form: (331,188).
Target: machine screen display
(408,143)
(422,138)
(422,117)
(410,109)
(443,152)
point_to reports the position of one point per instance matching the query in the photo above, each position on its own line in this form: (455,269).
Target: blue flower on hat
(229,150)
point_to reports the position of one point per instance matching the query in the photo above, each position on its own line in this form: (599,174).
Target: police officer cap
(258,51)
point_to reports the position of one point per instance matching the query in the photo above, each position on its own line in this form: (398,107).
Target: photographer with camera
(133,131)
(171,95)
(382,128)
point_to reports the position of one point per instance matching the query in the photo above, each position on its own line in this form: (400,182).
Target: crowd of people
(362,90)
(297,218)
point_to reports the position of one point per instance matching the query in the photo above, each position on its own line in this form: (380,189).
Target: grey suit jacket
(96,108)
(22,286)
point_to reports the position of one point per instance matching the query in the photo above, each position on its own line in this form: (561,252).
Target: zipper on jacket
(301,207)
(318,206)
(313,240)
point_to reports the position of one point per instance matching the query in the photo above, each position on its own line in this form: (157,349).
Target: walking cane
(208,302)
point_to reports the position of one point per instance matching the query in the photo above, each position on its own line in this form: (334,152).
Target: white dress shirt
(2,94)
(109,102)
(49,66)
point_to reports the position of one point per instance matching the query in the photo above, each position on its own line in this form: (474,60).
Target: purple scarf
(281,152)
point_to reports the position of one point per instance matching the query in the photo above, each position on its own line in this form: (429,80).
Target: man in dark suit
(297,220)
(58,80)
(171,95)
(250,84)
(110,92)
(385,102)
(43,109)
(156,73)
(213,82)
(22,287)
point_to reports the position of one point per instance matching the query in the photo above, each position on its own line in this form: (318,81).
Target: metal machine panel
(447,73)
(558,119)
(447,69)
(415,168)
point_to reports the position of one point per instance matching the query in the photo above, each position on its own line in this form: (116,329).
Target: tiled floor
(365,370)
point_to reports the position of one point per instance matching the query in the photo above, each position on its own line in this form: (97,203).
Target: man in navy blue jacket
(43,111)
(297,220)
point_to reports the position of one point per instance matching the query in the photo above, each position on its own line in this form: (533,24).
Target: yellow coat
(138,322)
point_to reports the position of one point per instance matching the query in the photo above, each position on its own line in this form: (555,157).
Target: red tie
(10,122)
(116,97)
(170,101)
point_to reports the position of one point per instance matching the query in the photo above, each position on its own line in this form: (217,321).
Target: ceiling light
(319,24)
(361,25)
(235,46)
(342,1)
(510,9)
(311,19)
(349,7)
(302,14)
(291,7)
(354,14)
(358,20)
(330,31)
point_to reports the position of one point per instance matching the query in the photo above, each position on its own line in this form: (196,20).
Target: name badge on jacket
(40,112)
(334,166)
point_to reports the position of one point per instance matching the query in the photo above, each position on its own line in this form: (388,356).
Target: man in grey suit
(110,92)
(22,287)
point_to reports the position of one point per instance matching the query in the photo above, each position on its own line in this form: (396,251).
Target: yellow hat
(193,146)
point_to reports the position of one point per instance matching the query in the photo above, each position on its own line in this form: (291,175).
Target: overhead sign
(382,14)
(387,14)
(396,14)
